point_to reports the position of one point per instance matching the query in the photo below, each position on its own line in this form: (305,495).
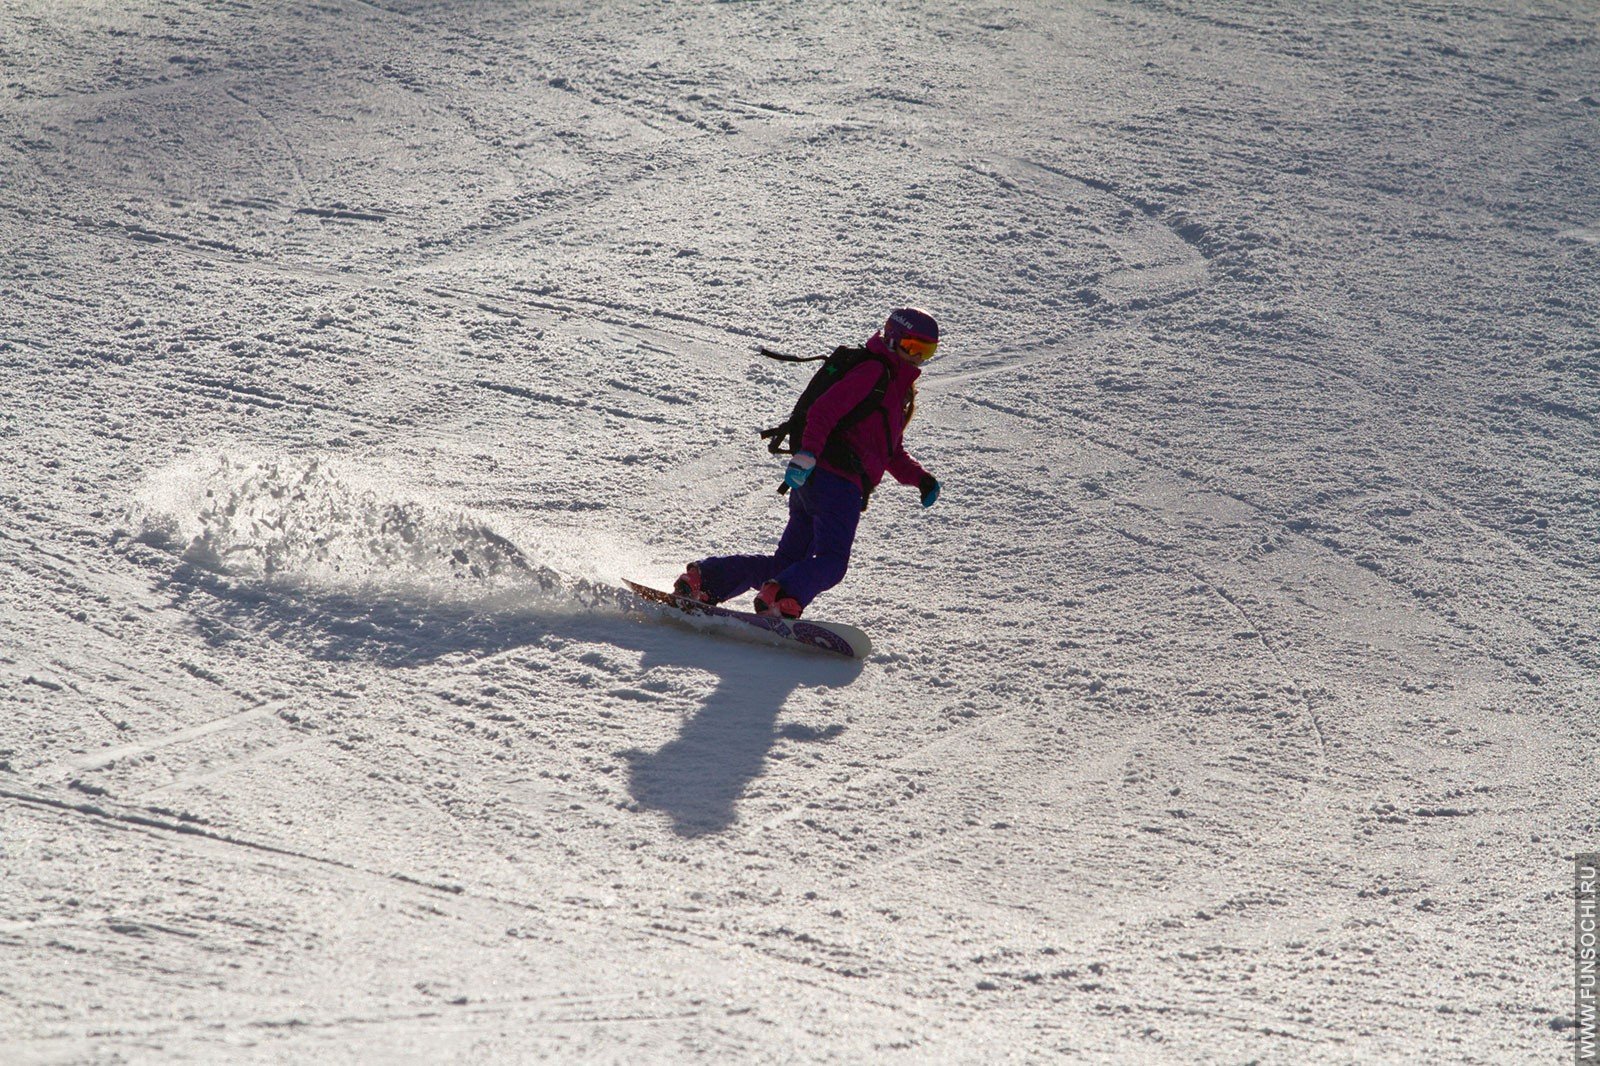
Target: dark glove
(929,487)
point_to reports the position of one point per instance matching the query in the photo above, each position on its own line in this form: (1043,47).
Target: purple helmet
(912,331)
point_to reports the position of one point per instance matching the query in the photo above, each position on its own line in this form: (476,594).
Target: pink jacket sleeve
(827,409)
(905,469)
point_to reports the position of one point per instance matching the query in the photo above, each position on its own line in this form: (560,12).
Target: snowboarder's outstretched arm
(904,469)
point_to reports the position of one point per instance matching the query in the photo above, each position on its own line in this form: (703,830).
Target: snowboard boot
(773,602)
(688,585)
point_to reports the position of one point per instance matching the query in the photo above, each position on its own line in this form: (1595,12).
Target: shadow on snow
(696,779)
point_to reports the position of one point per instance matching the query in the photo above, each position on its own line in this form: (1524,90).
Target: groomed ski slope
(1237,701)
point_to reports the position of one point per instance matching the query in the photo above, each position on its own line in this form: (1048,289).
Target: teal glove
(799,469)
(929,487)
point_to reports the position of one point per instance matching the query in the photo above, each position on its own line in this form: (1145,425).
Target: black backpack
(784,438)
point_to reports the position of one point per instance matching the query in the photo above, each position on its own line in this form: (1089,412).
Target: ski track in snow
(1235,703)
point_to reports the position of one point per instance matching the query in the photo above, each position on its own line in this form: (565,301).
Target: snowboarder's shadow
(698,778)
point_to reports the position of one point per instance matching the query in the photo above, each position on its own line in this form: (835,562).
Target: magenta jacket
(878,450)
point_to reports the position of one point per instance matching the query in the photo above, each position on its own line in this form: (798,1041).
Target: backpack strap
(783,438)
(782,358)
(872,402)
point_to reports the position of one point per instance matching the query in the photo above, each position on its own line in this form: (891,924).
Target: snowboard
(824,636)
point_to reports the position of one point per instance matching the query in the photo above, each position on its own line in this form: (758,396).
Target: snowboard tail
(824,636)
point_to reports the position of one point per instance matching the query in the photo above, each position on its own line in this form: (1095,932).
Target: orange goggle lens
(918,348)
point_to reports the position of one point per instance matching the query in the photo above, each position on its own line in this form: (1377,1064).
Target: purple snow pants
(812,554)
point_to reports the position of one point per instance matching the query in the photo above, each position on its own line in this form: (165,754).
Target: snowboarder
(851,437)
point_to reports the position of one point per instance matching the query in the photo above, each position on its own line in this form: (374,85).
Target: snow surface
(1235,703)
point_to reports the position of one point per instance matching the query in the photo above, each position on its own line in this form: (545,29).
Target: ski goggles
(918,349)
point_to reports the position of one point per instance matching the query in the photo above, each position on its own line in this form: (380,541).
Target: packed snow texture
(1236,702)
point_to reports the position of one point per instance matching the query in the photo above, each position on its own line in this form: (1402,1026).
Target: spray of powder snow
(309,522)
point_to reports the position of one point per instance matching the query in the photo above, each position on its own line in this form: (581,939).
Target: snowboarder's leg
(725,576)
(834,508)
(795,544)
